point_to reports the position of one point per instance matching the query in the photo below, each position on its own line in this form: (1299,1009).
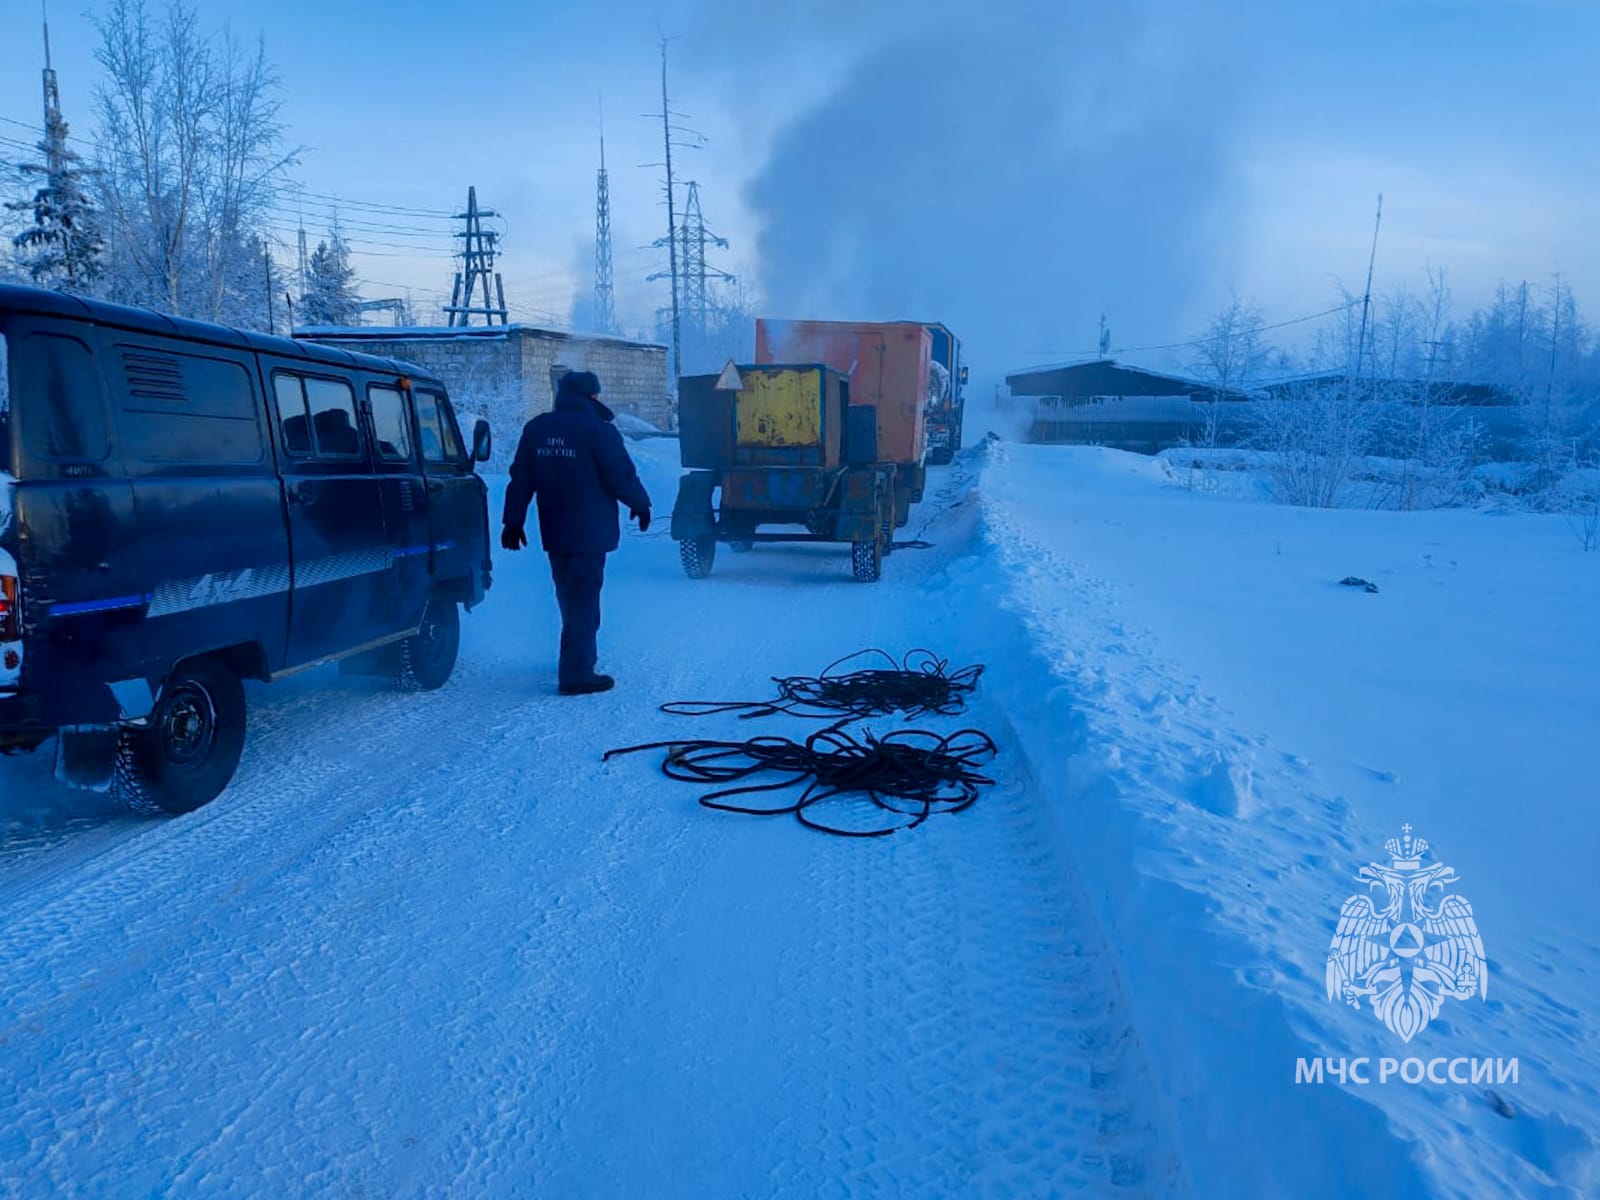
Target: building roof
(438,333)
(1439,391)
(1107,377)
(143,320)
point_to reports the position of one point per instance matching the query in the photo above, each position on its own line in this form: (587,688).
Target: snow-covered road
(431,946)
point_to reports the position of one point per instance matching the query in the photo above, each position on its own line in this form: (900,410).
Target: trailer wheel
(185,753)
(427,657)
(697,555)
(866,560)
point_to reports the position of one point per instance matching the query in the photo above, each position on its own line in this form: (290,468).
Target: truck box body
(885,364)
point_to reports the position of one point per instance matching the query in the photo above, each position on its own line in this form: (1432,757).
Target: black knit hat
(585,383)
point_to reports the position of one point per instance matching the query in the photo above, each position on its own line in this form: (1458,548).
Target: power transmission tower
(477,255)
(604,299)
(696,293)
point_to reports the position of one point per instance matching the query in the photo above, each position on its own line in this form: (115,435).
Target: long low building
(507,373)
(1105,403)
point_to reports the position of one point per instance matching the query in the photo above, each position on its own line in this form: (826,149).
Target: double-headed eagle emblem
(1407,945)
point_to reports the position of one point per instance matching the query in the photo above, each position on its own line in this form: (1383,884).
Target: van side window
(389,424)
(441,444)
(333,418)
(292,414)
(65,417)
(183,408)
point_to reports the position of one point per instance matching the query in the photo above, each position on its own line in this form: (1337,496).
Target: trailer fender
(692,514)
(861,494)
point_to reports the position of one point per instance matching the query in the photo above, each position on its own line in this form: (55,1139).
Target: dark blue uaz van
(184,506)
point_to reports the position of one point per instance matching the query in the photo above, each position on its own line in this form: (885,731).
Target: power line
(1199,341)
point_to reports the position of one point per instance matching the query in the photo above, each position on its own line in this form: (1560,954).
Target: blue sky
(1020,167)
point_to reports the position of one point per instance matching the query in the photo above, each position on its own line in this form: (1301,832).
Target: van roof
(40,302)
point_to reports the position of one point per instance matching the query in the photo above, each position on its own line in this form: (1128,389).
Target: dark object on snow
(921,684)
(908,775)
(1356,581)
(1500,1104)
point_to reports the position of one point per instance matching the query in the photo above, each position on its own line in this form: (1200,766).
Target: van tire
(428,656)
(185,753)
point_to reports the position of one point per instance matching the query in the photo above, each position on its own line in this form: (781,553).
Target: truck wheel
(187,750)
(866,560)
(428,656)
(697,555)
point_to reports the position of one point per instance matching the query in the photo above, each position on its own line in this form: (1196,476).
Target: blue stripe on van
(79,607)
(410,551)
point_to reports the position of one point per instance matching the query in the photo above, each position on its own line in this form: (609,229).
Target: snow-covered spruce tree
(60,247)
(330,297)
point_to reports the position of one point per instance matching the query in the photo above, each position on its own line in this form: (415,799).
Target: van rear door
(339,549)
(81,584)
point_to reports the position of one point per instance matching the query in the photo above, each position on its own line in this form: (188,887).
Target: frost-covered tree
(188,159)
(1230,356)
(330,297)
(60,246)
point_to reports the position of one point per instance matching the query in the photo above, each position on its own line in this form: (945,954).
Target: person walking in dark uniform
(573,461)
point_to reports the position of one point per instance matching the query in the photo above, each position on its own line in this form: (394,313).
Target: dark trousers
(578,579)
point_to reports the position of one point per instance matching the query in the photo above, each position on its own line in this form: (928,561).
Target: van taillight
(10,615)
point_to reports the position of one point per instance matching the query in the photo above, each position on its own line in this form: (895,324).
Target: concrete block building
(507,373)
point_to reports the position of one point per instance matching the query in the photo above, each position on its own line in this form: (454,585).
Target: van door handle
(303,496)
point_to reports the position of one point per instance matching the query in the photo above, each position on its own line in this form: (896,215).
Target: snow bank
(1233,735)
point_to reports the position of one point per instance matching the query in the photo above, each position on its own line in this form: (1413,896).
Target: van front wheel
(186,751)
(429,656)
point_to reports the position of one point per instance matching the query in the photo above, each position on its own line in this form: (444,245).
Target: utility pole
(604,298)
(52,105)
(477,260)
(672,220)
(266,262)
(1366,297)
(1555,333)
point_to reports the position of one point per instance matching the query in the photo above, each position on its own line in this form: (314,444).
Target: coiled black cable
(920,684)
(908,775)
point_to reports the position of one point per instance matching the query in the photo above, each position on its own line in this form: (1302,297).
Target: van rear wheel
(428,656)
(185,753)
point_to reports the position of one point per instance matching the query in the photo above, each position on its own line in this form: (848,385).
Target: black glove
(512,537)
(643,518)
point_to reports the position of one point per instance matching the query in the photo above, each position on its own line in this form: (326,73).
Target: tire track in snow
(472,961)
